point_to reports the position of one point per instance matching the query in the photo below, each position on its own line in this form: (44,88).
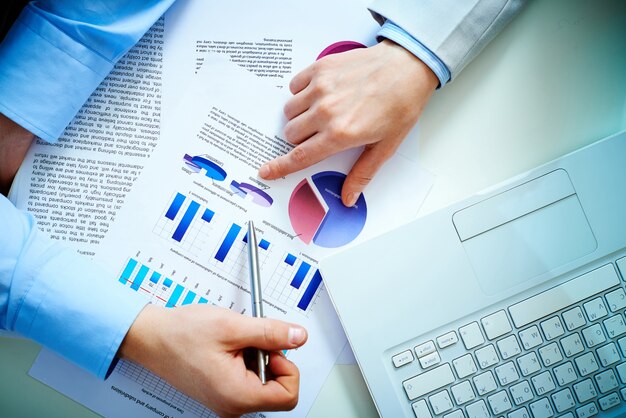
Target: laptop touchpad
(524,232)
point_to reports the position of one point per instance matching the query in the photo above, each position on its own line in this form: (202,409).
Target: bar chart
(294,283)
(162,289)
(186,222)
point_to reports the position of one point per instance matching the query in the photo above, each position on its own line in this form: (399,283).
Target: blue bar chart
(228,242)
(183,226)
(301,273)
(164,291)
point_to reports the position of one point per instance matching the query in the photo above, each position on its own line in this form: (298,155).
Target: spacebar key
(429,381)
(562,296)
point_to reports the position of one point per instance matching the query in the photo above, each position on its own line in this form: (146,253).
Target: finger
(299,103)
(311,151)
(302,79)
(302,127)
(267,334)
(363,171)
(279,394)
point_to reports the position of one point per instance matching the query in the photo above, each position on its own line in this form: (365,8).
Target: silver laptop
(510,303)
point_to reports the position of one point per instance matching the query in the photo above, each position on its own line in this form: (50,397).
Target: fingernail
(352,198)
(296,335)
(264,171)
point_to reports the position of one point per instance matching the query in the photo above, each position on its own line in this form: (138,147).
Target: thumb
(362,172)
(268,334)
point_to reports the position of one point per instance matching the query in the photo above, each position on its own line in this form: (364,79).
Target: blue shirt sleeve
(395,33)
(56,297)
(58,52)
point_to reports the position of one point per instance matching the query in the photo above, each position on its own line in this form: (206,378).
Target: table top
(553,81)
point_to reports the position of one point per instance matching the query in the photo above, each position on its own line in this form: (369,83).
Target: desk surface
(553,81)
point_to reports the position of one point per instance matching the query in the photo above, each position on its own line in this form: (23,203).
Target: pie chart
(317,214)
(338,47)
(199,162)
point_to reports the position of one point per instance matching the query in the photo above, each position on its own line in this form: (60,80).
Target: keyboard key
(430,360)
(455,414)
(463,393)
(616,300)
(572,345)
(499,402)
(496,325)
(593,335)
(615,326)
(521,393)
(508,347)
(403,358)
(568,415)
(588,410)
(552,328)
(541,408)
(565,373)
(477,410)
(543,383)
(528,364)
(621,371)
(530,337)
(485,383)
(425,349)
(471,335)
(420,409)
(621,264)
(448,339)
(519,413)
(550,354)
(464,366)
(563,400)
(622,345)
(606,381)
(507,373)
(429,381)
(574,318)
(564,295)
(585,390)
(595,309)
(609,401)
(623,393)
(440,402)
(486,356)
(608,354)
(586,364)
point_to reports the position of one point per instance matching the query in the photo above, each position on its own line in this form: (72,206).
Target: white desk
(554,80)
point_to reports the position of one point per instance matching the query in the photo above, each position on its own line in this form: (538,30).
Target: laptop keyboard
(561,352)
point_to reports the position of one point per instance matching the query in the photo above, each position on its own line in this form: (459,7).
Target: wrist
(142,338)
(403,58)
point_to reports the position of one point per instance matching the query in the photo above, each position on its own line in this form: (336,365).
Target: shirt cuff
(37,57)
(68,304)
(395,33)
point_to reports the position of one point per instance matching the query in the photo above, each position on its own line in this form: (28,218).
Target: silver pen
(255,293)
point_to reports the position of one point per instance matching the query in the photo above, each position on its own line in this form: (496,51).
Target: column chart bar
(186,221)
(207,215)
(231,236)
(141,275)
(167,282)
(178,290)
(290,259)
(202,300)
(128,270)
(155,277)
(300,275)
(307,297)
(175,206)
(264,244)
(189,298)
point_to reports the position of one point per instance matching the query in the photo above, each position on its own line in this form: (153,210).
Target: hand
(199,349)
(14,143)
(370,97)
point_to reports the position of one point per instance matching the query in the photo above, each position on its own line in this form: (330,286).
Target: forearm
(14,143)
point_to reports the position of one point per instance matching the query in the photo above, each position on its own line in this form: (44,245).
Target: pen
(255,293)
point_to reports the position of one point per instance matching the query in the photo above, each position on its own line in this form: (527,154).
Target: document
(182,239)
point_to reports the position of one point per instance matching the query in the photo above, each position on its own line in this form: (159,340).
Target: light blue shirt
(51,61)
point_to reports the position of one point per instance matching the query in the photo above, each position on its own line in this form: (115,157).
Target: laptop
(510,303)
